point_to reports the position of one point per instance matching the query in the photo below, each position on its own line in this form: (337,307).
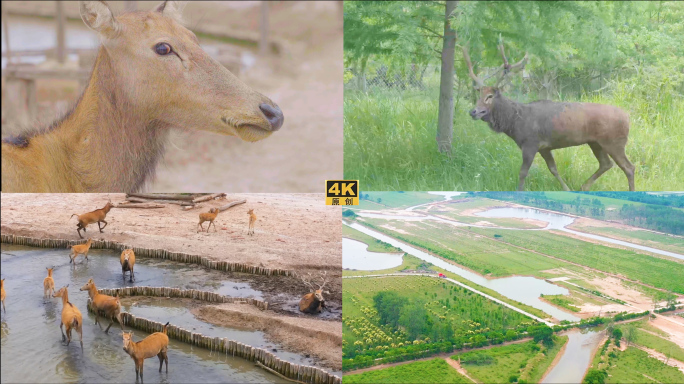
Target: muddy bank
(321,339)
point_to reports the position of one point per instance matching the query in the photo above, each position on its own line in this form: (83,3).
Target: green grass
(455,211)
(430,371)
(635,366)
(374,245)
(655,271)
(395,200)
(389,143)
(646,238)
(479,253)
(562,301)
(527,361)
(652,341)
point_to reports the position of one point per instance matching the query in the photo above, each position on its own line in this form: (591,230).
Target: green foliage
(627,54)
(617,334)
(430,371)
(595,376)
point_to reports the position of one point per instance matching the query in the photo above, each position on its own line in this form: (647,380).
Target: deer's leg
(200,225)
(604,164)
(617,152)
(79,232)
(105,224)
(528,154)
(161,360)
(551,164)
(61,329)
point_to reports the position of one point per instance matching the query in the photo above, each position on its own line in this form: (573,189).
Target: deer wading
(543,126)
(150,75)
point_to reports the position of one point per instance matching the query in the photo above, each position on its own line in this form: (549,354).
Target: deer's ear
(99,17)
(172,9)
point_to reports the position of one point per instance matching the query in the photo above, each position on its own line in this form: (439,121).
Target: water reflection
(356,256)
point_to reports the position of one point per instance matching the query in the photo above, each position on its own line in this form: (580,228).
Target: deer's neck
(92,291)
(107,143)
(65,299)
(504,115)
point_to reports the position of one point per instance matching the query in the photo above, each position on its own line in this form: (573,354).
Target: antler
(472,75)
(325,280)
(505,67)
(307,282)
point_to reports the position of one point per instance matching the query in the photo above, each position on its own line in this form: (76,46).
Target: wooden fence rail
(148,252)
(194,294)
(292,371)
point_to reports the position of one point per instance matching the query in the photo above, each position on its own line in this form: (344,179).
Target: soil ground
(305,80)
(322,339)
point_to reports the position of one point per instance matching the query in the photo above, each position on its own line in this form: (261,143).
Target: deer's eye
(162,49)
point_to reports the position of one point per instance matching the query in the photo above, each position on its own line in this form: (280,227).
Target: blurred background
(290,51)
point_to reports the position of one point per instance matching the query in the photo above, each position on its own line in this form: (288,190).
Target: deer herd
(109,307)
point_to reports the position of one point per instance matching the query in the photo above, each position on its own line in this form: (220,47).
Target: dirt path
(445,355)
(660,356)
(457,366)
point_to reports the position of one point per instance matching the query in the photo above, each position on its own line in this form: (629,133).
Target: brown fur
(80,249)
(96,216)
(208,216)
(313,302)
(114,137)
(252,219)
(156,344)
(108,305)
(127,263)
(2,294)
(71,316)
(49,284)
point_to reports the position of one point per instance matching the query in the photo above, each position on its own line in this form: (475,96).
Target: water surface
(576,359)
(355,255)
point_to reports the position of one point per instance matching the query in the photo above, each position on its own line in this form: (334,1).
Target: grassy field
(430,371)
(468,313)
(649,340)
(374,245)
(455,211)
(479,253)
(395,200)
(661,273)
(527,361)
(389,142)
(635,366)
(646,238)
(562,301)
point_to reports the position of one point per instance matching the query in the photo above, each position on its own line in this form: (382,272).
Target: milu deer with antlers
(543,126)
(313,302)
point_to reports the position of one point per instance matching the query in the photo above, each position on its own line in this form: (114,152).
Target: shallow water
(30,328)
(356,256)
(525,289)
(576,358)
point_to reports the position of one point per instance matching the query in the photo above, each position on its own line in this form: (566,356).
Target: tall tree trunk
(445,119)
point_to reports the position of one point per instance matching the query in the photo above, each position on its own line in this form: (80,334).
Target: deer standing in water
(543,126)
(150,75)
(252,220)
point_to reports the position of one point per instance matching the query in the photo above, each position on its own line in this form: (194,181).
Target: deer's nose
(274,115)
(472,112)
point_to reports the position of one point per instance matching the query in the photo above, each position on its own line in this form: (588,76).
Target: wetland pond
(524,289)
(356,256)
(31,335)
